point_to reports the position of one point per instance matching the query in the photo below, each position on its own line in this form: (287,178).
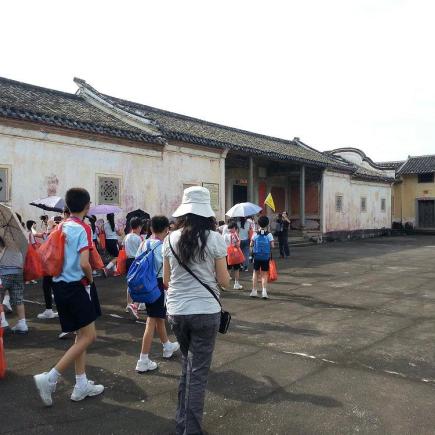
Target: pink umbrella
(104,209)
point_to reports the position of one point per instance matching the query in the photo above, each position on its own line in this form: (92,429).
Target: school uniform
(77,304)
(111,240)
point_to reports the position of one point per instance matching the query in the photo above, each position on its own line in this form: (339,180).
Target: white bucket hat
(196,200)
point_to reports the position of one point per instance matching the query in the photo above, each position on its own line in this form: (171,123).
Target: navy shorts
(112,247)
(261,264)
(128,263)
(75,306)
(158,308)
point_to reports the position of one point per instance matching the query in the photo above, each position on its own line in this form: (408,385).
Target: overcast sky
(334,73)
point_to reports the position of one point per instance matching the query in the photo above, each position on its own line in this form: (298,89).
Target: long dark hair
(111,220)
(242,222)
(193,240)
(92,220)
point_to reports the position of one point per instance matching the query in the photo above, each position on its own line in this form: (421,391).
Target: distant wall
(40,164)
(352,218)
(406,194)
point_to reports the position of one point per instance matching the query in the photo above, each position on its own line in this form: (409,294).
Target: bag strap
(191,273)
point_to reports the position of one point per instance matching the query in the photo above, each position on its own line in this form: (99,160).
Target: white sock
(48,310)
(143,357)
(81,381)
(264,290)
(21,322)
(166,344)
(110,266)
(53,376)
(6,299)
(2,317)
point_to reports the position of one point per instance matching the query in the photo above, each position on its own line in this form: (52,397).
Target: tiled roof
(27,102)
(359,172)
(391,165)
(192,130)
(418,165)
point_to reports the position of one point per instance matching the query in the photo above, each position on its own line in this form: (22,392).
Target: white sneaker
(170,349)
(89,391)
(20,328)
(264,294)
(63,335)
(253,294)
(237,286)
(141,307)
(132,310)
(47,314)
(45,389)
(4,323)
(7,305)
(145,366)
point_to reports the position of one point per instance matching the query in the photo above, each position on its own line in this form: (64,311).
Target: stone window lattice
(339,203)
(109,190)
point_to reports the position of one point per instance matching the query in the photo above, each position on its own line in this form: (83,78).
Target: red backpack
(52,253)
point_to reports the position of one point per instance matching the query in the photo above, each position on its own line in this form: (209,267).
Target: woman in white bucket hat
(193,313)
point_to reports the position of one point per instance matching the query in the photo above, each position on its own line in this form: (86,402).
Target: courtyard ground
(345,345)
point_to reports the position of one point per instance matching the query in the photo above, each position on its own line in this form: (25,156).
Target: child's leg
(236,274)
(148,335)
(161,330)
(85,337)
(264,278)
(254,280)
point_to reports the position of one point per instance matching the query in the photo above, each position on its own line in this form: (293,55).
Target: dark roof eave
(63,122)
(248,150)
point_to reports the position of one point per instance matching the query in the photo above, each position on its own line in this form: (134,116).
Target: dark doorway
(240,194)
(426,213)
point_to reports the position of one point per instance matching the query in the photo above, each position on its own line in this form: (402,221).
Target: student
(194,314)
(261,244)
(244,226)
(131,245)
(77,302)
(11,276)
(32,234)
(231,237)
(111,242)
(156,311)
(221,227)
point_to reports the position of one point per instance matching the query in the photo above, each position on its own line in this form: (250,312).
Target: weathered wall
(406,193)
(43,164)
(352,218)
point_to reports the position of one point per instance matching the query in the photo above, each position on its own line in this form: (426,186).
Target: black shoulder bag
(225,315)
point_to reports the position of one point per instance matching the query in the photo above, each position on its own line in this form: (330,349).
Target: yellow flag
(269,201)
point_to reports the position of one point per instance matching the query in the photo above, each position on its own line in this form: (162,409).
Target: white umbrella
(51,203)
(243,209)
(11,230)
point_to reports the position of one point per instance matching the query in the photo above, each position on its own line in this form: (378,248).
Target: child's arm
(166,272)
(86,266)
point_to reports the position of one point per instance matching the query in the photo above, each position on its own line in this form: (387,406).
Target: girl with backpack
(261,244)
(194,314)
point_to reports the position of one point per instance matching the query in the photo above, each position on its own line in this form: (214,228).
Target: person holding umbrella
(111,242)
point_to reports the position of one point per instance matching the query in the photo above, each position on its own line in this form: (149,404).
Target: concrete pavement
(346,345)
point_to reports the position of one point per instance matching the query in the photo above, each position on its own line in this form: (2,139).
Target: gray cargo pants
(197,335)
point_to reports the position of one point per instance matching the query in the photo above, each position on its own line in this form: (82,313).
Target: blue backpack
(142,277)
(262,247)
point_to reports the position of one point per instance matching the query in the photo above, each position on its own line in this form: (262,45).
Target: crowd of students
(190,260)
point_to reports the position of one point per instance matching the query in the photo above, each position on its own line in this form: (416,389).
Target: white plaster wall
(44,163)
(351,218)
